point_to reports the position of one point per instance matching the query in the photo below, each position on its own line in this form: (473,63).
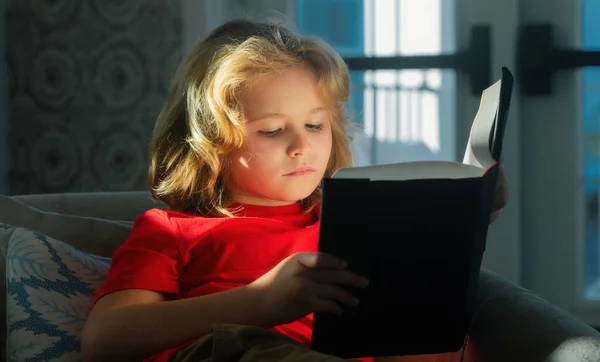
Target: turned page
(478,152)
(484,147)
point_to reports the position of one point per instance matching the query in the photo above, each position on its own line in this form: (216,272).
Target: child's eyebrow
(281,115)
(317,110)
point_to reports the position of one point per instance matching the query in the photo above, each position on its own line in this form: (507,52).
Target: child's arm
(132,324)
(131,318)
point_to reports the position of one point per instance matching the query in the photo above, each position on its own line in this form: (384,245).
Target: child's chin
(292,197)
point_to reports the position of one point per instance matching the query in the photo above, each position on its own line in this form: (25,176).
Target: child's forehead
(290,83)
(296,72)
(283,106)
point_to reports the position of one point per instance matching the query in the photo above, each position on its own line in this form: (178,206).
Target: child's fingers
(320,260)
(339,277)
(326,306)
(336,294)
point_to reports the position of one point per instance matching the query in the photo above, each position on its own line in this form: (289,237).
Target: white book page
(411,171)
(478,151)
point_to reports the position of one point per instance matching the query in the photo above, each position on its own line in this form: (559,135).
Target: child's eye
(315,127)
(270,133)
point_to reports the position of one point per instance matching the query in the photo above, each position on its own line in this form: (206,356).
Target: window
(404,115)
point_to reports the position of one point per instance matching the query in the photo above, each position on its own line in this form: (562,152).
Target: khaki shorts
(229,343)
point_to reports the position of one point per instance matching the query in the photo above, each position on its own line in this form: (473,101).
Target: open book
(417,231)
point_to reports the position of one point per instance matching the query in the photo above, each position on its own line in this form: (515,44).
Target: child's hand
(304,283)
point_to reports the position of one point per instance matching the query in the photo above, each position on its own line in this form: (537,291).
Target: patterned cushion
(49,293)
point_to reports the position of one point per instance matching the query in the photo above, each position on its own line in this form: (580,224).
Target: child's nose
(300,145)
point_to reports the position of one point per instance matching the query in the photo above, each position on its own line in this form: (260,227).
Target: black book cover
(420,242)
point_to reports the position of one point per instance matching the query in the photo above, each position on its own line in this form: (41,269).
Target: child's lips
(301,171)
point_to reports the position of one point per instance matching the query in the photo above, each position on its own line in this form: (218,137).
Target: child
(253,122)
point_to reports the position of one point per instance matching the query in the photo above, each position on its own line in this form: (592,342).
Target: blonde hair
(202,122)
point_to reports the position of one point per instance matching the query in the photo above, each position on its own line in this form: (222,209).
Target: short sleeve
(149,259)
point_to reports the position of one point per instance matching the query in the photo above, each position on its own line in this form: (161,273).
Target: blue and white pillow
(50,288)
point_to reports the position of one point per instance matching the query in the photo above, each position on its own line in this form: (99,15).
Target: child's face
(287,143)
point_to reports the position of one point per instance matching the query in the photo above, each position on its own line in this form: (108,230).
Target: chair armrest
(513,324)
(121,206)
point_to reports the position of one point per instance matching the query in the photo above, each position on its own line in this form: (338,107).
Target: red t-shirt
(188,256)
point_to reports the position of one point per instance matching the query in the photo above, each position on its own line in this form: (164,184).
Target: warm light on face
(244,162)
(287,134)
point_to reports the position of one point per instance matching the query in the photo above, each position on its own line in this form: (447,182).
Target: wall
(264,7)
(202,16)
(503,253)
(88,78)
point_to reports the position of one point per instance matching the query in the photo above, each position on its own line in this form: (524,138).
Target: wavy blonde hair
(202,121)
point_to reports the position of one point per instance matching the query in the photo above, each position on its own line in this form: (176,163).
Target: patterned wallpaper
(86,79)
